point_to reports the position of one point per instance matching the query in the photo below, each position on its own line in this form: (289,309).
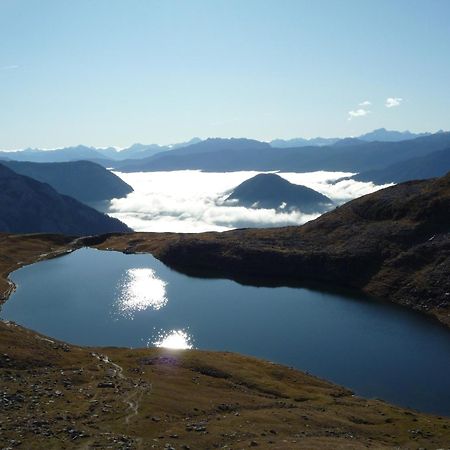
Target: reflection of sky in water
(174,339)
(139,290)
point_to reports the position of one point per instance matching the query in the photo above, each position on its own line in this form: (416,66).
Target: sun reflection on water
(174,339)
(139,290)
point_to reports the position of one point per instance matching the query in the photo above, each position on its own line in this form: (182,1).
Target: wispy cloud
(365,103)
(11,67)
(360,112)
(391,102)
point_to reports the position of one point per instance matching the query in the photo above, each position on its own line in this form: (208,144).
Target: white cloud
(11,67)
(391,102)
(360,112)
(193,201)
(365,103)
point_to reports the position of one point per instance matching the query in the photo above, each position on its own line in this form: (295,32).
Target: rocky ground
(56,396)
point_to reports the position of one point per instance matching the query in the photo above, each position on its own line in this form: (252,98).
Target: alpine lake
(106,298)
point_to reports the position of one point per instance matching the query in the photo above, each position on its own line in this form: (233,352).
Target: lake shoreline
(134,300)
(328,416)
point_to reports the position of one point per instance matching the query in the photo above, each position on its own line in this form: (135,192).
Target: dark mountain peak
(84,180)
(268,190)
(29,206)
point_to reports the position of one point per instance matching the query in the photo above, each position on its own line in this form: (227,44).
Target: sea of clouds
(191,201)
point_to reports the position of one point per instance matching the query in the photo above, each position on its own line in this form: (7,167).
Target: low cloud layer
(193,201)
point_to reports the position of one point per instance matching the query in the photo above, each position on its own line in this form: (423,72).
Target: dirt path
(137,391)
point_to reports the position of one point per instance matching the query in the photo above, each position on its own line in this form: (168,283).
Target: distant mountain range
(369,152)
(268,190)
(104,156)
(383,135)
(140,151)
(380,135)
(82,180)
(351,155)
(435,164)
(29,206)
(77,153)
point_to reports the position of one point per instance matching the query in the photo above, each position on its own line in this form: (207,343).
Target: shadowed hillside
(83,180)
(29,206)
(433,165)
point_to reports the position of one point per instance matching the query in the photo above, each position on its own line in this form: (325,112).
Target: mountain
(350,155)
(83,180)
(268,190)
(381,134)
(29,206)
(139,151)
(433,165)
(302,142)
(103,156)
(187,157)
(213,145)
(80,152)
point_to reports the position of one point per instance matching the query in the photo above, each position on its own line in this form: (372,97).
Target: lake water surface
(100,298)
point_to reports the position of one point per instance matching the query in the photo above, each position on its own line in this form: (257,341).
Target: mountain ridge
(140,151)
(349,155)
(85,181)
(435,164)
(269,190)
(29,206)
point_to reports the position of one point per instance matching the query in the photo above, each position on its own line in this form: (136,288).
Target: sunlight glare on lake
(141,289)
(175,340)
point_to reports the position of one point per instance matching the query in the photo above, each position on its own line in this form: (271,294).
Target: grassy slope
(50,395)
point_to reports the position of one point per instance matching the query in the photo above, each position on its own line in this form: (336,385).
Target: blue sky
(108,72)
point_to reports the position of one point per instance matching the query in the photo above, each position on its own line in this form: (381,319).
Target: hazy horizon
(168,144)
